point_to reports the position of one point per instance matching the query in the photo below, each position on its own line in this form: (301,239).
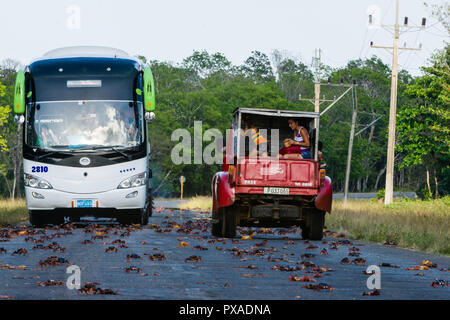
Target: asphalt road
(228,269)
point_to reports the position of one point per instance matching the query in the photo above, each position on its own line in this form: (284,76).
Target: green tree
(424,127)
(4,115)
(258,67)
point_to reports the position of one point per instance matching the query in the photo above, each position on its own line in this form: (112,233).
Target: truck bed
(253,175)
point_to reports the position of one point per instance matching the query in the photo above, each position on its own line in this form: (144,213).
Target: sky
(172,30)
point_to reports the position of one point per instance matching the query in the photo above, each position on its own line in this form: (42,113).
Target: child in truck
(297,148)
(258,143)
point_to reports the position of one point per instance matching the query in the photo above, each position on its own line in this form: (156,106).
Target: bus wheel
(127,217)
(145,215)
(149,204)
(38,219)
(313,225)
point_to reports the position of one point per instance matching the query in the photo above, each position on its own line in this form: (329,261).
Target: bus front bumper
(50,199)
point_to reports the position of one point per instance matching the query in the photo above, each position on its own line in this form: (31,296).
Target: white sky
(171,30)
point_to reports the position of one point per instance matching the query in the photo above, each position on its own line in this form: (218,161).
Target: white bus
(85,142)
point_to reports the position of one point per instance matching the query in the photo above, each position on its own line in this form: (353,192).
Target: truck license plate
(272,190)
(84,203)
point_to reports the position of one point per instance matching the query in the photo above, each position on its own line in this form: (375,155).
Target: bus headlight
(134,181)
(35,182)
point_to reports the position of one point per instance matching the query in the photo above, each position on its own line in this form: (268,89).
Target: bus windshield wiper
(45,155)
(114,148)
(61,146)
(50,151)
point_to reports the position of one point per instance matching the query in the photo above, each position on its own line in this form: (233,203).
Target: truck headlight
(134,181)
(35,182)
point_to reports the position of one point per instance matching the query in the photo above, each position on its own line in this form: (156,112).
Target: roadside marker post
(182,180)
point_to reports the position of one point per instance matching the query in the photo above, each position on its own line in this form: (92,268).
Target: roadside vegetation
(413,224)
(12,212)
(198,203)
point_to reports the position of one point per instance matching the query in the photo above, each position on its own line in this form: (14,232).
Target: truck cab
(263,190)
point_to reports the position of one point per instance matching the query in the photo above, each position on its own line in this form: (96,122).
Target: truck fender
(222,191)
(325,197)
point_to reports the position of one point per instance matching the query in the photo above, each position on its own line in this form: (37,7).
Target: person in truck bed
(258,143)
(297,148)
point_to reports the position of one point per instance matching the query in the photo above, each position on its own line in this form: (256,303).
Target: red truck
(267,191)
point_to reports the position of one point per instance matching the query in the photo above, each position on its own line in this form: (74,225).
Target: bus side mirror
(149,90)
(19,119)
(19,93)
(149,116)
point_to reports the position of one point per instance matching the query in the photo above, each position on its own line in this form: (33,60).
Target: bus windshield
(72,125)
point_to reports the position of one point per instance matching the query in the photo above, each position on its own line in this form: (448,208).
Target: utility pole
(350,144)
(393,103)
(317,102)
(317,84)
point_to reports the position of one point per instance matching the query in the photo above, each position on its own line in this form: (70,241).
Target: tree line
(208,87)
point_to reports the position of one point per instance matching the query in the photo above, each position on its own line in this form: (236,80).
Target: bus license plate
(84,203)
(272,190)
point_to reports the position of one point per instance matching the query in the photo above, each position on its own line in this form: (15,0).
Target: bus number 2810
(39,169)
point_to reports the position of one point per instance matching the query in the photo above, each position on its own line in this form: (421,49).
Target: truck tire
(313,225)
(229,222)
(216,228)
(226,223)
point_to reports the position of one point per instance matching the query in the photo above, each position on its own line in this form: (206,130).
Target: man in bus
(127,116)
(47,138)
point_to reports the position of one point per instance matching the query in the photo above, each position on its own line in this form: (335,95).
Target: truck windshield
(83,125)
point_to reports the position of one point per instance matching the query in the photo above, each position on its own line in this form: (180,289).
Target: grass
(201,203)
(413,224)
(12,212)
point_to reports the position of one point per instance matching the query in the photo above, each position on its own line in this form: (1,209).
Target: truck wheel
(313,226)
(216,228)
(229,222)
(38,219)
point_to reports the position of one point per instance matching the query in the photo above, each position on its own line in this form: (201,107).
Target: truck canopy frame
(306,119)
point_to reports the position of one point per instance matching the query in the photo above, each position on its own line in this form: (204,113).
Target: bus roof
(85,52)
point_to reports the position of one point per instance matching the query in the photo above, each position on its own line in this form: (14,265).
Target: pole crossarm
(369,125)
(336,85)
(392,48)
(336,100)
(306,99)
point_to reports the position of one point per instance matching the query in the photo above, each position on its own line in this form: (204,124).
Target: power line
(410,52)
